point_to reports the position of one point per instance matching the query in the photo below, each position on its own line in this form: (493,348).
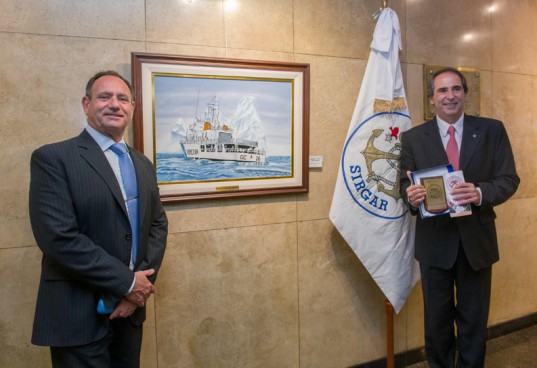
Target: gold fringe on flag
(389,106)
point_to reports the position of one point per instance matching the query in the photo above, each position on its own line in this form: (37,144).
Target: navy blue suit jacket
(486,159)
(80,222)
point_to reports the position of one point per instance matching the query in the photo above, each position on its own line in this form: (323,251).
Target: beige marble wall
(264,282)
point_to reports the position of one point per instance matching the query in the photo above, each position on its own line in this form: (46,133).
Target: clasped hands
(464,193)
(142,290)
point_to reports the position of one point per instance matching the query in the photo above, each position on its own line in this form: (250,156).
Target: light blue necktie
(128,175)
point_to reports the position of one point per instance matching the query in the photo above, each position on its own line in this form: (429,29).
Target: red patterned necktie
(452,149)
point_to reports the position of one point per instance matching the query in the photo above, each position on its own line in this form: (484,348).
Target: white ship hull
(221,153)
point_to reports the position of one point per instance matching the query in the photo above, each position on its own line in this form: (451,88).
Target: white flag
(367,209)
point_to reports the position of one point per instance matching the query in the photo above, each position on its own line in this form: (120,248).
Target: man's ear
(85,103)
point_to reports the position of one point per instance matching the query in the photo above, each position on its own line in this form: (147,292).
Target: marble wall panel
(514,36)
(122,19)
(228,298)
(334,28)
(184,50)
(341,308)
(260,55)
(148,357)
(259,25)
(409,324)
(514,292)
(19,269)
(342,315)
(227,213)
(452,33)
(316,204)
(186,22)
(217,52)
(335,83)
(42,81)
(514,104)
(487,102)
(413,79)
(339,28)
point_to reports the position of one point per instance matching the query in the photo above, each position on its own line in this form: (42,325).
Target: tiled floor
(515,350)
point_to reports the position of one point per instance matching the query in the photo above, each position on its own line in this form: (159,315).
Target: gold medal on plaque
(435,198)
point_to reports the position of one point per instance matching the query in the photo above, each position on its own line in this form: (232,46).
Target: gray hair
(113,73)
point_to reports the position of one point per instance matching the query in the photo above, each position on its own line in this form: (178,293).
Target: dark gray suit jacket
(80,222)
(486,160)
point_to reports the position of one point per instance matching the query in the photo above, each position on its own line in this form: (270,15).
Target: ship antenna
(197,102)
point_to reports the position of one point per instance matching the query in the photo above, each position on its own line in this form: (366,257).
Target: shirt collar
(443,126)
(102,140)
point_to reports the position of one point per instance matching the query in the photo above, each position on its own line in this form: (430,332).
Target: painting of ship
(211,138)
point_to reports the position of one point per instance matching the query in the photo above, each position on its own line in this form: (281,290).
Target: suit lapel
(94,156)
(432,144)
(470,139)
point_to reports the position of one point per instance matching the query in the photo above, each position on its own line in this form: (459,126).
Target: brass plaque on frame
(473,101)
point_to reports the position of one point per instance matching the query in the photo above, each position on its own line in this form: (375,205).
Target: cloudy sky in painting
(176,100)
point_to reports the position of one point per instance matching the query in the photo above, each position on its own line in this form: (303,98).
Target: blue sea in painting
(172,167)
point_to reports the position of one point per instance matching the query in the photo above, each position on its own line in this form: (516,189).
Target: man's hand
(123,309)
(466,193)
(143,288)
(415,192)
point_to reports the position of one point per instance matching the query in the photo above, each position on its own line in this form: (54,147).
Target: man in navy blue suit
(456,253)
(81,223)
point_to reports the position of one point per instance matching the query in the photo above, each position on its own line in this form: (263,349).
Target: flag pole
(390,357)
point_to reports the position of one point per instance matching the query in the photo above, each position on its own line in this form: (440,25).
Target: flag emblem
(370,164)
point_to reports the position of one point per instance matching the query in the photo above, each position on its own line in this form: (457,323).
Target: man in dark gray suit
(456,253)
(81,223)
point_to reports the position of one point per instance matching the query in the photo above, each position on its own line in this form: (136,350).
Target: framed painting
(217,127)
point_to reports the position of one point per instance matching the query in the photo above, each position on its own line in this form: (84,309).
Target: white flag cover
(366,208)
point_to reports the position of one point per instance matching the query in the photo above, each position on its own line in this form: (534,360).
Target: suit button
(128,236)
